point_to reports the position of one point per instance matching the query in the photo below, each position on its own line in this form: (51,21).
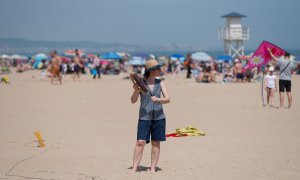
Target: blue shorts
(154,128)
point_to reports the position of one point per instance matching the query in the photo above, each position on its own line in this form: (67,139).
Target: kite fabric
(262,56)
(188,131)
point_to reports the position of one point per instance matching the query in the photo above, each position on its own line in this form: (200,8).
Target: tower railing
(234,33)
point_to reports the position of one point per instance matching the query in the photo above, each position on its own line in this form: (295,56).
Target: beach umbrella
(224,58)
(135,60)
(15,56)
(201,56)
(72,53)
(4,56)
(178,56)
(152,56)
(123,54)
(143,55)
(297,58)
(65,59)
(104,62)
(163,58)
(40,57)
(111,55)
(90,55)
(175,57)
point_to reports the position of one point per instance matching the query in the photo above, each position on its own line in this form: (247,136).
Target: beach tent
(111,55)
(201,56)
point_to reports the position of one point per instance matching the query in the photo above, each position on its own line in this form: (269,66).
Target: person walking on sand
(270,86)
(286,67)
(189,64)
(152,120)
(97,66)
(177,68)
(77,65)
(55,66)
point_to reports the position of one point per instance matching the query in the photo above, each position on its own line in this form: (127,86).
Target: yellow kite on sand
(188,131)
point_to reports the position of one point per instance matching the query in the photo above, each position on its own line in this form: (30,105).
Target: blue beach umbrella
(224,58)
(297,58)
(178,56)
(111,55)
(175,57)
(38,58)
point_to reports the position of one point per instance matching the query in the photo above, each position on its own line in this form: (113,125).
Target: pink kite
(262,56)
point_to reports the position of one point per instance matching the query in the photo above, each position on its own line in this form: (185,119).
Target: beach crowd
(77,63)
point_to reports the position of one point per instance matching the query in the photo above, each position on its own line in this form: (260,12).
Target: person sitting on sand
(204,76)
(151,116)
(228,76)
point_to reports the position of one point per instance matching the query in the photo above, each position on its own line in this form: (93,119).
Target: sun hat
(151,65)
(271,68)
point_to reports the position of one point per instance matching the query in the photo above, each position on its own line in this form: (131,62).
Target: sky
(149,22)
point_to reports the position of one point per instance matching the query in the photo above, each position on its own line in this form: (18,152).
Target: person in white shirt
(270,86)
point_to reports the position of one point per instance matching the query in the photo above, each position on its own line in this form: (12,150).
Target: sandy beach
(89,128)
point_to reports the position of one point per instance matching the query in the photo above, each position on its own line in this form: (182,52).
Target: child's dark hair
(286,54)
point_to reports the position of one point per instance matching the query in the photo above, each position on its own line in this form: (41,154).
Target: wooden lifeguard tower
(234,35)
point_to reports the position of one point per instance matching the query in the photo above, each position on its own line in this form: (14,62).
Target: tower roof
(233,14)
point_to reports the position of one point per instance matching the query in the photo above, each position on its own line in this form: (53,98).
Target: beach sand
(89,128)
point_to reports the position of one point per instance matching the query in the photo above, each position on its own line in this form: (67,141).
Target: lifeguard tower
(234,35)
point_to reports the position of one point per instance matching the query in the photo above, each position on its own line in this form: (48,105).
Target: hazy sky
(191,22)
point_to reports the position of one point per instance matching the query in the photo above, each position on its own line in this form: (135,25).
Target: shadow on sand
(143,168)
